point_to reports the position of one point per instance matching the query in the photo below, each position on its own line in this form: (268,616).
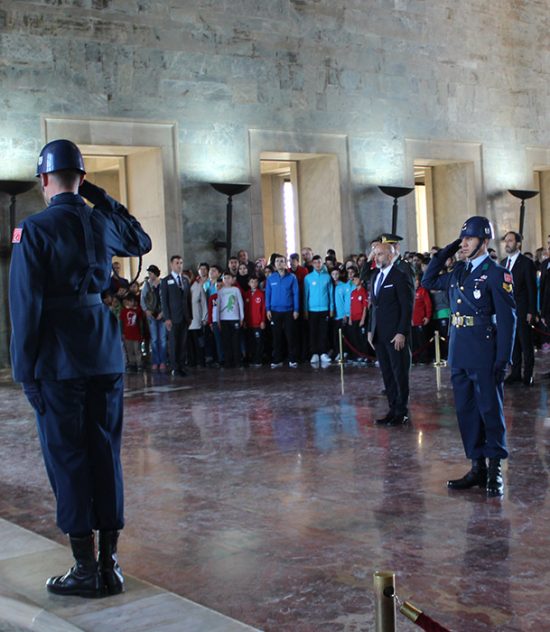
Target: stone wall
(377,71)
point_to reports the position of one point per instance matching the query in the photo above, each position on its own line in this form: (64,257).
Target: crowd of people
(254,313)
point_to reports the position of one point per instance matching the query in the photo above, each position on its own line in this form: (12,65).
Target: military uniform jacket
(54,335)
(486,296)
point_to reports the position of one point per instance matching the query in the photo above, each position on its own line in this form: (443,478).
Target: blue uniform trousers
(80,435)
(479,409)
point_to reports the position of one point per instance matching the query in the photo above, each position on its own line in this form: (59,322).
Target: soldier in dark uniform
(66,352)
(482,330)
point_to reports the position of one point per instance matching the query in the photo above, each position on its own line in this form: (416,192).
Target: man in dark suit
(389,332)
(175,298)
(525,293)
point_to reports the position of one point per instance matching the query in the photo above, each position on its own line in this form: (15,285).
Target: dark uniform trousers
(479,408)
(80,434)
(395,367)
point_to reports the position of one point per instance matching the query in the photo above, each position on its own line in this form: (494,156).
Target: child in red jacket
(421,316)
(254,318)
(132,323)
(358,318)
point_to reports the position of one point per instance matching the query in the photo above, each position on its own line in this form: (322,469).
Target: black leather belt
(72,301)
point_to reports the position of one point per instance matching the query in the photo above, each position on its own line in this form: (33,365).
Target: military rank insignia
(17,234)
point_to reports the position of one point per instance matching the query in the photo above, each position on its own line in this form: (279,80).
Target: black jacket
(525,285)
(391,310)
(176,302)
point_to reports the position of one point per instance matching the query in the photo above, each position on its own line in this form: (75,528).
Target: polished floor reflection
(271,497)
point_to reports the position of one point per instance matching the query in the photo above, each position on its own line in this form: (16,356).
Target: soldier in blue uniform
(480,349)
(66,352)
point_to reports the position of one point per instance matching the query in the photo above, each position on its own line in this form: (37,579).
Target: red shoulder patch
(17,234)
(508,278)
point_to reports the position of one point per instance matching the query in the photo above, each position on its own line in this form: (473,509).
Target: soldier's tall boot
(83,579)
(477,476)
(495,483)
(109,568)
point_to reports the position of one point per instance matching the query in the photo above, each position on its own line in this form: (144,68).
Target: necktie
(509,264)
(179,282)
(379,282)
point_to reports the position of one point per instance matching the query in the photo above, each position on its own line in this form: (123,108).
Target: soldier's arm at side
(26,292)
(505,311)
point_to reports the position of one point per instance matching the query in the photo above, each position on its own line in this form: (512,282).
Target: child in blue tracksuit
(342,305)
(318,307)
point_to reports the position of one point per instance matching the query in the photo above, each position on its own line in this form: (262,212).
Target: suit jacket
(525,285)
(176,302)
(391,309)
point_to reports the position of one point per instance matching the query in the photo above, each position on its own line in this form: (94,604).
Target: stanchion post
(437,343)
(341,344)
(384,591)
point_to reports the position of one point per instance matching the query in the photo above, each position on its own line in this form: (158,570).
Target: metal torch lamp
(12,188)
(522,194)
(395,193)
(229,189)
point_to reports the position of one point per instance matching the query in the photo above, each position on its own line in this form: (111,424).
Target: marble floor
(270,497)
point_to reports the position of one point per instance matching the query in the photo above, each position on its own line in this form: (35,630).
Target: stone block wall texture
(379,71)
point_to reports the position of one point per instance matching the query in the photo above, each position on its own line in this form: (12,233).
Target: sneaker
(314,359)
(325,358)
(276,365)
(293,365)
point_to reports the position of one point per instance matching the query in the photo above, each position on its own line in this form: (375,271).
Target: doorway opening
(300,202)
(132,175)
(445,196)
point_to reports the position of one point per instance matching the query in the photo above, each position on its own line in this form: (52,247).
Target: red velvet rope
(371,357)
(428,624)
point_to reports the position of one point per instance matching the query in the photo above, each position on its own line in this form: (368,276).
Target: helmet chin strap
(476,250)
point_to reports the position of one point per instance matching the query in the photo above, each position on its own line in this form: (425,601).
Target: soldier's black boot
(477,476)
(83,579)
(495,483)
(109,569)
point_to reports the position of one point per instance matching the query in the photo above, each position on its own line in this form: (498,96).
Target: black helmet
(477,226)
(58,155)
